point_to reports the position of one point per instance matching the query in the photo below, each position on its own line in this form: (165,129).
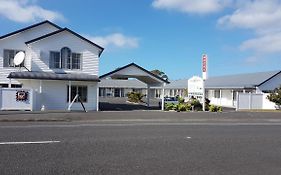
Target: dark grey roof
(177,84)
(250,80)
(53,76)
(111,83)
(30,27)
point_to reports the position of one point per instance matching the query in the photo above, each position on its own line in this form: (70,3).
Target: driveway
(121,104)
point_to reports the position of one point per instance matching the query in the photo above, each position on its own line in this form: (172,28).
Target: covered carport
(135,71)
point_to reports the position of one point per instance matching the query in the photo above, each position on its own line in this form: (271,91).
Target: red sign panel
(204,63)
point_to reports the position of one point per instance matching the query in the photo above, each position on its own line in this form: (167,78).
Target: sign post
(204,76)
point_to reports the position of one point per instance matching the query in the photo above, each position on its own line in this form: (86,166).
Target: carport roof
(135,71)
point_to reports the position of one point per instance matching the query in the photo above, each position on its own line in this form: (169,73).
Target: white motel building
(60,71)
(59,64)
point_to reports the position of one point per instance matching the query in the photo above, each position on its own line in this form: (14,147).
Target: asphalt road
(140,148)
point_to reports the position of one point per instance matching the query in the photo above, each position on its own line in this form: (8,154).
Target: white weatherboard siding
(41,53)
(17,42)
(54,94)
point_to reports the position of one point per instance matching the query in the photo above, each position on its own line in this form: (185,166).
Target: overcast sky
(239,36)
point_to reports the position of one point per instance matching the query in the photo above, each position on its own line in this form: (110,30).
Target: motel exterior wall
(40,53)
(53,95)
(17,42)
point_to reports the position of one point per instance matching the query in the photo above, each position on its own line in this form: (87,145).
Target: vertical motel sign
(204,66)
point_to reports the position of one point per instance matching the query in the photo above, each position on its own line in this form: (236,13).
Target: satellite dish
(19,58)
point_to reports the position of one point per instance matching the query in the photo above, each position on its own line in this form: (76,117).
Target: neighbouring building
(59,63)
(119,88)
(221,90)
(225,90)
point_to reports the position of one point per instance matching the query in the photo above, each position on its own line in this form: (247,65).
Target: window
(9,58)
(76,57)
(82,91)
(65,59)
(55,61)
(12,85)
(217,94)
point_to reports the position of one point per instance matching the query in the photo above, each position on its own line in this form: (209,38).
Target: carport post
(10,83)
(163,94)
(98,97)
(148,95)
(69,94)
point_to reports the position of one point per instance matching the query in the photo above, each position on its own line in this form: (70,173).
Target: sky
(239,36)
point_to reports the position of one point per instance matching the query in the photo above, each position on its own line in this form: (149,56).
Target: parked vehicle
(168,100)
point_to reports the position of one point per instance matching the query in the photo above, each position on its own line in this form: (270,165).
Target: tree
(160,74)
(275,96)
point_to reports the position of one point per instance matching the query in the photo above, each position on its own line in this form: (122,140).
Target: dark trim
(133,64)
(269,78)
(70,31)
(30,27)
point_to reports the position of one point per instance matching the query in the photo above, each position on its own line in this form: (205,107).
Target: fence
(247,101)
(16,99)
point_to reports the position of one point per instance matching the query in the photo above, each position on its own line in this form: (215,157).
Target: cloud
(24,11)
(115,40)
(261,16)
(269,43)
(192,6)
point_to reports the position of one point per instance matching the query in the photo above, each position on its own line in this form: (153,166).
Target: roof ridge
(30,27)
(250,73)
(70,31)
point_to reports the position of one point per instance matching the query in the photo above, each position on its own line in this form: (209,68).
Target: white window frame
(65,67)
(15,52)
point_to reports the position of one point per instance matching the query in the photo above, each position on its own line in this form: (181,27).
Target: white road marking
(20,143)
(132,124)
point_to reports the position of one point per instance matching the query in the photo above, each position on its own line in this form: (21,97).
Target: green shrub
(214,108)
(181,100)
(219,109)
(135,97)
(175,107)
(181,107)
(196,105)
(187,106)
(169,106)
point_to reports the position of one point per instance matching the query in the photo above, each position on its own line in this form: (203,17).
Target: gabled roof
(250,80)
(138,67)
(68,30)
(30,27)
